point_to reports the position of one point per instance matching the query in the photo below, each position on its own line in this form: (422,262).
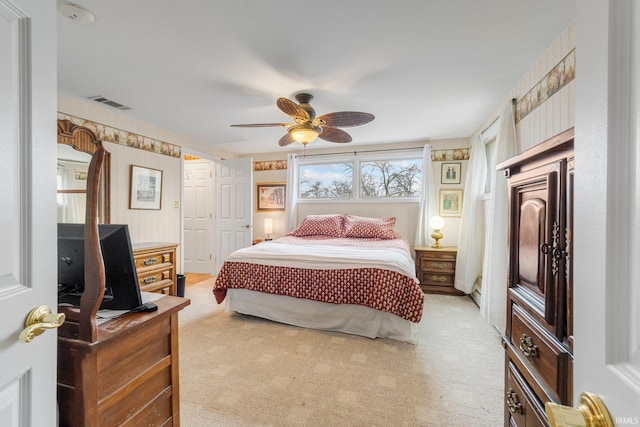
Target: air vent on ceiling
(106,101)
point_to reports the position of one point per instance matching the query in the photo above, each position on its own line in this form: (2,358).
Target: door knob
(591,412)
(39,319)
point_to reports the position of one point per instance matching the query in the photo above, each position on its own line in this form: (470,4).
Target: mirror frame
(84,139)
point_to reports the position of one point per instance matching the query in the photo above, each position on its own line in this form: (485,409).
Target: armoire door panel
(530,238)
(535,193)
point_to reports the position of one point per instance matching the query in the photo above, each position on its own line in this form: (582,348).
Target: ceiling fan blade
(294,110)
(285,140)
(343,119)
(334,135)
(261,125)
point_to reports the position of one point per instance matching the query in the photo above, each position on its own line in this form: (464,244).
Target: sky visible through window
(329,180)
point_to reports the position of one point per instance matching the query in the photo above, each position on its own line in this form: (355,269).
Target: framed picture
(450,173)
(270,196)
(450,202)
(146,188)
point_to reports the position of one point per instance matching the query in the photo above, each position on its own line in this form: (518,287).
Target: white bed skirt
(347,318)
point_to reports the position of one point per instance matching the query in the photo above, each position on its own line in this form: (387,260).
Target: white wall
(557,113)
(145,225)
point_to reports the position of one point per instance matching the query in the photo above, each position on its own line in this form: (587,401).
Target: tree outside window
(393,178)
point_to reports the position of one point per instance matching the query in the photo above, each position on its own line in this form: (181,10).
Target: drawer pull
(439,265)
(149,279)
(527,346)
(149,261)
(513,402)
(438,278)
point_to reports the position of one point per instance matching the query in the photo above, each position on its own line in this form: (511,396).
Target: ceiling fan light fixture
(304,133)
(308,127)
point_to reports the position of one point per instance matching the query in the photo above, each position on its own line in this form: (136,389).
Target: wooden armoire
(539,334)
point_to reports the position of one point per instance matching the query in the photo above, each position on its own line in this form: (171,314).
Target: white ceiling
(426,69)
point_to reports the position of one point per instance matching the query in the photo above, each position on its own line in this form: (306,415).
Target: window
(358,177)
(490,136)
(391,178)
(326,181)
(490,150)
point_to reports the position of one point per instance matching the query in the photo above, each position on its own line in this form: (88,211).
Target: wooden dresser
(436,269)
(128,376)
(539,333)
(156,267)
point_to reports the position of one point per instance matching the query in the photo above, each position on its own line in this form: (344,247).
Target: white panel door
(198,216)
(234,207)
(28,212)
(607,206)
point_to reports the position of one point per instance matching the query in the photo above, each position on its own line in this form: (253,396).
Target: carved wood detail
(85,140)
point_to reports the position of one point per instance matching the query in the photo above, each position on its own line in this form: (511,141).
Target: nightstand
(436,269)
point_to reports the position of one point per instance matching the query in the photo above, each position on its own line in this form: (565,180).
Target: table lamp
(268,227)
(437,223)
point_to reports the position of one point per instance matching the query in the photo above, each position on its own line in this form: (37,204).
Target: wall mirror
(76,145)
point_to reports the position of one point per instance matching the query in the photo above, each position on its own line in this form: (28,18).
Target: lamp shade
(268,225)
(436,222)
(304,133)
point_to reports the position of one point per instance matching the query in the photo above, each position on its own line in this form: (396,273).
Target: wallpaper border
(123,137)
(559,76)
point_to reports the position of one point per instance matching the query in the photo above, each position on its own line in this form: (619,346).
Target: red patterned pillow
(362,227)
(324,225)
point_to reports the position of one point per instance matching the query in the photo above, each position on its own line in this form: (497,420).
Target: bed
(333,272)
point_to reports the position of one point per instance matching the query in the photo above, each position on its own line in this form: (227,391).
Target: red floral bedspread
(377,288)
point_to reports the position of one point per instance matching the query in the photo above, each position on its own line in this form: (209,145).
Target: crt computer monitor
(122,291)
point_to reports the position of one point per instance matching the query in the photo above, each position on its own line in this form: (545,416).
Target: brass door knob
(591,412)
(38,320)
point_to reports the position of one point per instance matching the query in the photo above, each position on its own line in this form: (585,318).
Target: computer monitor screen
(122,291)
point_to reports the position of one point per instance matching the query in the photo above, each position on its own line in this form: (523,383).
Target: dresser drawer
(433,278)
(435,265)
(541,352)
(155,280)
(521,405)
(153,260)
(441,255)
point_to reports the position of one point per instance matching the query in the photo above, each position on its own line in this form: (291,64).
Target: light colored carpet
(239,370)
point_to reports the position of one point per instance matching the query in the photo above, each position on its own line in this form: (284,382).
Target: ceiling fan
(308,127)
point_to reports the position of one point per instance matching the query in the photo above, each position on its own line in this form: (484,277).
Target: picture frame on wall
(270,196)
(451,173)
(450,203)
(145,190)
